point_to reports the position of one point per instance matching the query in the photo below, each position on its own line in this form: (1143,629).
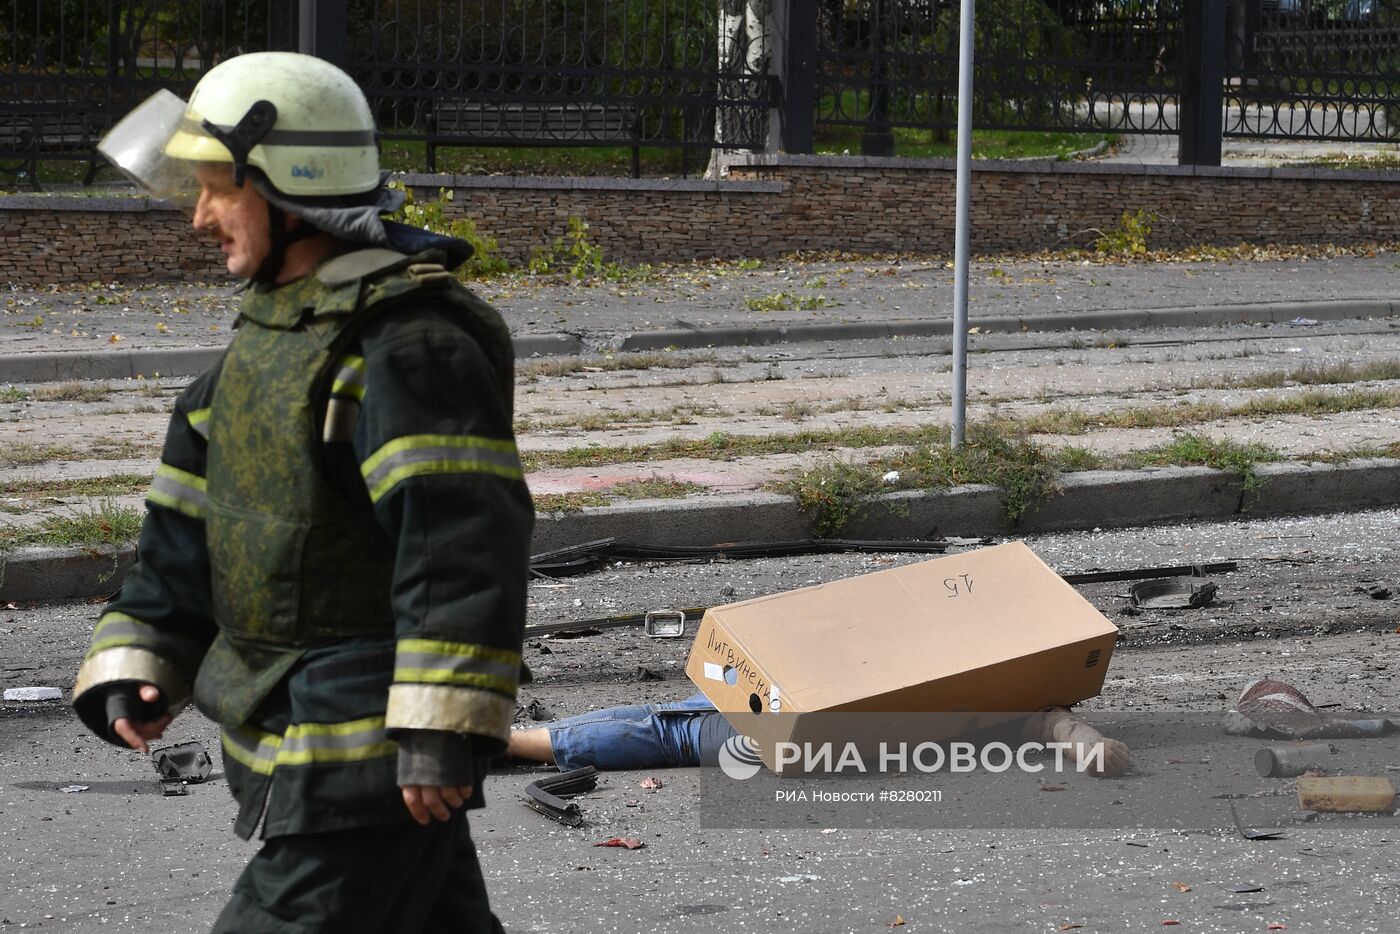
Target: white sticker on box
(775,701)
(714,672)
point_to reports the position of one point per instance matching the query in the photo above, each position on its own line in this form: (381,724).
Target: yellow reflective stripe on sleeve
(350,378)
(199,421)
(458,663)
(464,649)
(180,490)
(420,455)
(254,749)
(116,629)
(309,744)
(353,741)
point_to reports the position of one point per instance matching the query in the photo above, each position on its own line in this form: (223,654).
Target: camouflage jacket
(338,700)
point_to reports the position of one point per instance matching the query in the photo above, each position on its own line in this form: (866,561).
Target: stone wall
(768,206)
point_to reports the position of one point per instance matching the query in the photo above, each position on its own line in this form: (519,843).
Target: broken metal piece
(1172,593)
(664,624)
(1288,761)
(546,795)
(184,762)
(1137,574)
(1274,708)
(1250,833)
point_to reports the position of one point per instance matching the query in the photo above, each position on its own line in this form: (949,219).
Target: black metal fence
(70,68)
(1059,65)
(733,74)
(1314,69)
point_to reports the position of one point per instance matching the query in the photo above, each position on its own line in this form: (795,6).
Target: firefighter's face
(235,216)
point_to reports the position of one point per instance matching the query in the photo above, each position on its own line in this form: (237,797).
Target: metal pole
(799,75)
(1202,81)
(323,30)
(963,223)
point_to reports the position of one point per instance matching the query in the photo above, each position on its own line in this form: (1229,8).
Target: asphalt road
(119,857)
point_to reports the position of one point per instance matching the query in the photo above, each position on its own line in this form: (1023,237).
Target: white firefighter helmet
(301,121)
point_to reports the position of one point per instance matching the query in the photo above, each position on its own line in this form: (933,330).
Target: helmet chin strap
(281,238)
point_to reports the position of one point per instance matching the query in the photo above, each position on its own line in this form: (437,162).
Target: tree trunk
(745,49)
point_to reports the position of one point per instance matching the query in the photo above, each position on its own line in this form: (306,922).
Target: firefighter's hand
(137,733)
(434,802)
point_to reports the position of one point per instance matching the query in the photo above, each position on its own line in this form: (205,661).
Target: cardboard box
(986,631)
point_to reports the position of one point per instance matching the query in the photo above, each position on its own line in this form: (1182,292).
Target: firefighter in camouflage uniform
(334,557)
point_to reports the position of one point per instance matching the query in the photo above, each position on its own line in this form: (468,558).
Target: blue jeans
(641,736)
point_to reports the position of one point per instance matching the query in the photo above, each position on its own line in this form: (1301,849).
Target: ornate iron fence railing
(565,72)
(1314,70)
(733,74)
(70,68)
(1064,65)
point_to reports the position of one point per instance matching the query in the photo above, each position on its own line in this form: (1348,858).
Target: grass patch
(722,446)
(1357,453)
(654,488)
(943,144)
(1310,403)
(840,492)
(680,414)
(104,524)
(13,394)
(1192,449)
(1355,161)
(786,301)
(73,391)
(1315,375)
(28,454)
(116,485)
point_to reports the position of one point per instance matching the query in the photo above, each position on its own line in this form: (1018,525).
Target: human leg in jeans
(637,736)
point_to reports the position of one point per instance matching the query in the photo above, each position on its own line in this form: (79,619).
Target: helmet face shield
(158,147)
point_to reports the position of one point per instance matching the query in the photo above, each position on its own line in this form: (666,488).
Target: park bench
(30,132)
(458,122)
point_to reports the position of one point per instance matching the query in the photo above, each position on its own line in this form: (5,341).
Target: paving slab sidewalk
(113,331)
(864,298)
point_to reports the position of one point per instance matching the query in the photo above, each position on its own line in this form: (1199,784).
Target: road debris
(651,784)
(1289,761)
(1172,593)
(664,624)
(73,789)
(534,710)
(1363,794)
(1250,833)
(33,694)
(1273,708)
(631,843)
(546,795)
(186,763)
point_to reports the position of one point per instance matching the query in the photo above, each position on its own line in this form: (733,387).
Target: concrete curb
(191,361)
(1088,500)
(1206,315)
(55,367)
(51,574)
